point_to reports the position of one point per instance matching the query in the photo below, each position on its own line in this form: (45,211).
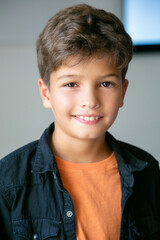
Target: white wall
(22,117)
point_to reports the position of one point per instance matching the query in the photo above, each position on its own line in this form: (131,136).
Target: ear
(124,90)
(45,93)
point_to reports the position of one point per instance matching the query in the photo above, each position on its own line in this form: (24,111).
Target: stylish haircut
(82,31)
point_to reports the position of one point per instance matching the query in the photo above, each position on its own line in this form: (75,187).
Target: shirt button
(69,214)
(35,236)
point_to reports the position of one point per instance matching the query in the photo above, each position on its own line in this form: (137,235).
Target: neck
(79,150)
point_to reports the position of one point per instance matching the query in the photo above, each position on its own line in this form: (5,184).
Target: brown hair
(82,30)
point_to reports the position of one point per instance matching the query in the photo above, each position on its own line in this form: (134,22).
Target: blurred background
(22,116)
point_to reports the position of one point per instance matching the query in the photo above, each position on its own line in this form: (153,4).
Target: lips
(86,118)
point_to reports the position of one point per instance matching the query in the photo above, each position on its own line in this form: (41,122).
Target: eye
(71,85)
(106,84)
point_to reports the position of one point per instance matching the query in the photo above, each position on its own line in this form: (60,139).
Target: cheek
(112,101)
(62,102)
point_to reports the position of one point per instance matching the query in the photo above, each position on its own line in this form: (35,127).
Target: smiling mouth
(89,119)
(86,118)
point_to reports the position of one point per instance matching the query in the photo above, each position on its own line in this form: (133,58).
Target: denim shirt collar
(127,162)
(44,160)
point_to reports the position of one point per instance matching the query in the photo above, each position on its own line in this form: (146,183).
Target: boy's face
(84,97)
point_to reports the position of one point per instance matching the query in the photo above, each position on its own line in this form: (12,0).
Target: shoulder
(132,156)
(14,167)
(126,148)
(153,166)
(136,151)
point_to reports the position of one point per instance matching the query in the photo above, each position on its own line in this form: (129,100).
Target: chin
(90,135)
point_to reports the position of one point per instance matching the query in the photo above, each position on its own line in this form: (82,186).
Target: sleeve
(5,219)
(158,188)
(153,180)
(156,173)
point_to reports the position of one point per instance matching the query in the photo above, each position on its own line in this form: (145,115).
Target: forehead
(72,61)
(87,67)
(82,61)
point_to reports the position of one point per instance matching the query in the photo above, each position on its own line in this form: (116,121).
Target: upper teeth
(88,118)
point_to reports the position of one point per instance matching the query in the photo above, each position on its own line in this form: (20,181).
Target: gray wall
(22,117)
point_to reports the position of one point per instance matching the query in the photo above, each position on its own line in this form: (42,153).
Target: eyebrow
(110,75)
(67,76)
(73,75)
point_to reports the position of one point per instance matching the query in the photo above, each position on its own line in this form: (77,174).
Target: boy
(77,181)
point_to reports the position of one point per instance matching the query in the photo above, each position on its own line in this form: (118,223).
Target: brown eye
(71,85)
(106,84)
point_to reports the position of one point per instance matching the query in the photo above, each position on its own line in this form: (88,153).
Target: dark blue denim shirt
(34,204)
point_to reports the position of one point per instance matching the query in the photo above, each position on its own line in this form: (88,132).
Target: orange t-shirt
(95,189)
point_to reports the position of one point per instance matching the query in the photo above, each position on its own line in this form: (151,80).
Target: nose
(89,99)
